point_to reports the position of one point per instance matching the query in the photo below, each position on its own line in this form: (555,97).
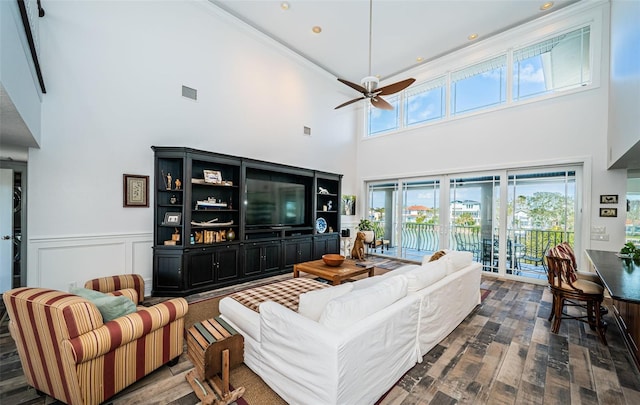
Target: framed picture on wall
(348,205)
(609,199)
(608,212)
(135,190)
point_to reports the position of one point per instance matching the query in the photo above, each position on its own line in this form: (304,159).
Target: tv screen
(274,203)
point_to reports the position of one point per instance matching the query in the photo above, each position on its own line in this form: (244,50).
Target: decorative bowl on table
(333,260)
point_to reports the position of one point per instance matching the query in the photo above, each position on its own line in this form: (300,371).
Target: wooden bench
(214,347)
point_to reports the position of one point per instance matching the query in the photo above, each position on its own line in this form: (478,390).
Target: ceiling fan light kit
(369,84)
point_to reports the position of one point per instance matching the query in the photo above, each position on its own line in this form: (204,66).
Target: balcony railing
(525,247)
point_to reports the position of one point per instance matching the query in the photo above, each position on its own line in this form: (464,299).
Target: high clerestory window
(541,69)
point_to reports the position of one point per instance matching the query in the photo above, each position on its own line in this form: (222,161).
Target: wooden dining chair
(568,290)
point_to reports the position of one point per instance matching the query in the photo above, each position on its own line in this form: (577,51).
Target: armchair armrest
(126,329)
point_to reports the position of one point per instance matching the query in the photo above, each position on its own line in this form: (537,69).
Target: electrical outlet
(72,285)
(600,237)
(598,229)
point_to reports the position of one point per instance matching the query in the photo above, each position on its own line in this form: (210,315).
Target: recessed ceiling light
(546,6)
(317,29)
(284,5)
(419,59)
(472,36)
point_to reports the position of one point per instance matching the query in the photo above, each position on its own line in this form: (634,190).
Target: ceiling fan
(369,85)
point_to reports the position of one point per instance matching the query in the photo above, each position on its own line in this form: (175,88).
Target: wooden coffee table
(336,275)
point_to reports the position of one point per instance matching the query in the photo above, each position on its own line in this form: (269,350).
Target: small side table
(214,347)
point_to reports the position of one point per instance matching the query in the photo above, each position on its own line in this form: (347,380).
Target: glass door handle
(6,237)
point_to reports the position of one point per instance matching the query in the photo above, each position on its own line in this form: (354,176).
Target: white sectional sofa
(349,344)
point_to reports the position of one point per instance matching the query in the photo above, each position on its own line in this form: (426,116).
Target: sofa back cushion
(312,303)
(348,309)
(425,275)
(456,260)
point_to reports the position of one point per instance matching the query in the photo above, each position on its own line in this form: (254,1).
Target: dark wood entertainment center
(232,219)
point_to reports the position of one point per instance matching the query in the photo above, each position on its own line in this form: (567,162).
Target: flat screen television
(274,202)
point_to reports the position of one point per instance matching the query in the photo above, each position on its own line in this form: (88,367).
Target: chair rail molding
(63,262)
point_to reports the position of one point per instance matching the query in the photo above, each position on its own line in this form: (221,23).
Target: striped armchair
(69,353)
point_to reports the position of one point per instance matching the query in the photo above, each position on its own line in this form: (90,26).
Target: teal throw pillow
(111,307)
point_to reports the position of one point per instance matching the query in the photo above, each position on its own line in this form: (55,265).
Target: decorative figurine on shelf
(168,181)
(329,206)
(176,235)
(173,199)
(322,190)
(178,184)
(358,247)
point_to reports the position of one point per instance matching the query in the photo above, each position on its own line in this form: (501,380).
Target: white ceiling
(402,30)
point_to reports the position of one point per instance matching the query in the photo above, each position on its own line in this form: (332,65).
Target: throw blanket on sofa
(285,293)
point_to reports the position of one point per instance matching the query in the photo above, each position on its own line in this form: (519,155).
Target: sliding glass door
(420,223)
(473,217)
(466,212)
(542,209)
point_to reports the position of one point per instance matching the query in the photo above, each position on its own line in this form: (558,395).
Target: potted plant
(630,251)
(367,227)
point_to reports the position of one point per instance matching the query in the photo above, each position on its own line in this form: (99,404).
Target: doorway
(13,180)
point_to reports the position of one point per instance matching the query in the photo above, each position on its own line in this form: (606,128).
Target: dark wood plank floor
(503,353)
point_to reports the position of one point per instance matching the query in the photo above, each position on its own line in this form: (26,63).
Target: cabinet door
(252,254)
(271,254)
(305,250)
(325,244)
(200,268)
(167,272)
(297,251)
(226,263)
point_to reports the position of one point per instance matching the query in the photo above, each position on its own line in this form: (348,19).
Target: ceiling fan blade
(353,85)
(395,87)
(378,102)
(349,102)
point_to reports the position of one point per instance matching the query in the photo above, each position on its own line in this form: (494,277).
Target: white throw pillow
(457,260)
(312,303)
(426,275)
(348,309)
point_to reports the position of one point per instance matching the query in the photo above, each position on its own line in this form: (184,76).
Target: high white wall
(624,97)
(114,72)
(567,129)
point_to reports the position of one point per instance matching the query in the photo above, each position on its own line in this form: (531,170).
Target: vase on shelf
(231,235)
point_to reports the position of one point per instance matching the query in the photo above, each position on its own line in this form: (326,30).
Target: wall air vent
(188,92)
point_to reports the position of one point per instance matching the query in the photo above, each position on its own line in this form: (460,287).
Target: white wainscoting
(65,261)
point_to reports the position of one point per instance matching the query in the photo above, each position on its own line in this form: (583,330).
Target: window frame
(556,24)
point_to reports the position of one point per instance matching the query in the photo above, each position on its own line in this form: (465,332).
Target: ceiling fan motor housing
(370,83)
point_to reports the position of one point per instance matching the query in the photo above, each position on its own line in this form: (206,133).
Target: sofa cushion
(111,307)
(456,260)
(426,275)
(312,303)
(348,309)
